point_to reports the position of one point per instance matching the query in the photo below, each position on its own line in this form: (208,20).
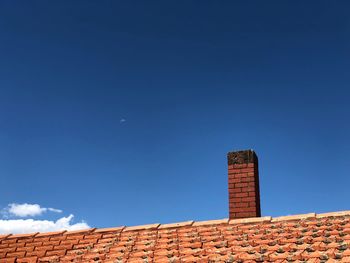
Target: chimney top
(243,184)
(241,157)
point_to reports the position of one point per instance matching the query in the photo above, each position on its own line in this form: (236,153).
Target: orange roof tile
(310,237)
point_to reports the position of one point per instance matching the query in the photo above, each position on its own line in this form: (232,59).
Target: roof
(309,237)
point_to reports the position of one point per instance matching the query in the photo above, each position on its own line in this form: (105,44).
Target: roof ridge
(251,220)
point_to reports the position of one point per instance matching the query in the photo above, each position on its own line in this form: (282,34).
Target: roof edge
(252,220)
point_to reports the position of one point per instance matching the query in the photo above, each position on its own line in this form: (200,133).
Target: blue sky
(122,113)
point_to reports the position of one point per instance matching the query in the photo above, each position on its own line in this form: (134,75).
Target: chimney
(243,184)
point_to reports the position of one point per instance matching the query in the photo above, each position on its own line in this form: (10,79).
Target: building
(243,237)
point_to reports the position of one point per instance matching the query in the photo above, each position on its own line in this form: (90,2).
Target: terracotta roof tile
(250,220)
(293,217)
(300,238)
(20,236)
(341,213)
(142,227)
(174,225)
(110,229)
(79,232)
(211,222)
(50,233)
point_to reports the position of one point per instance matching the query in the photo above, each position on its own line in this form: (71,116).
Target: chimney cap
(241,157)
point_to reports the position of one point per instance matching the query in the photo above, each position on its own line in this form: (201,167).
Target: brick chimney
(243,184)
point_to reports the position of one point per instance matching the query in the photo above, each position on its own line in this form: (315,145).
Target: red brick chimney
(243,184)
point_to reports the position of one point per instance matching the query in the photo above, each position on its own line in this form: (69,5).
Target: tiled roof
(308,238)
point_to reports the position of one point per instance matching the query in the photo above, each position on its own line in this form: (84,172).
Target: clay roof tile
(308,237)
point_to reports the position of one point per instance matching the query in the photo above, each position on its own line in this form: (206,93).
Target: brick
(241,185)
(252,194)
(236,190)
(248,199)
(251,184)
(240,166)
(244,209)
(239,175)
(235,180)
(240,204)
(241,194)
(247,179)
(235,200)
(235,171)
(250,189)
(252,204)
(247,170)
(243,214)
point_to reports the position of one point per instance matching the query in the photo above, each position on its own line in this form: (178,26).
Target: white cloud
(54,210)
(29,225)
(24,210)
(16,226)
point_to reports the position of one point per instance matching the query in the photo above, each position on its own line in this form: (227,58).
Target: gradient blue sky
(193,80)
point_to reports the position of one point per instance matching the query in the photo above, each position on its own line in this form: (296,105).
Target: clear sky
(122,112)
